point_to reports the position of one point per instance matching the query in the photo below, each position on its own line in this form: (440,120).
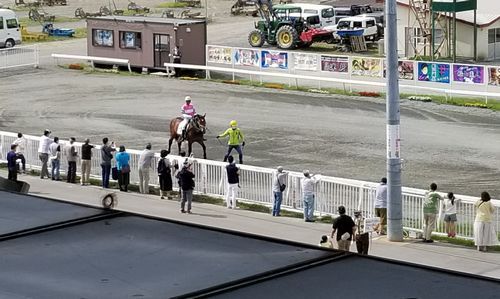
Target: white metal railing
(256,186)
(318,68)
(19,57)
(93,59)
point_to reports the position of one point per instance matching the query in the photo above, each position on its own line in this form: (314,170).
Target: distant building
(147,41)
(488,31)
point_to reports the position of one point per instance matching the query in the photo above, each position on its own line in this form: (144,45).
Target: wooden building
(147,41)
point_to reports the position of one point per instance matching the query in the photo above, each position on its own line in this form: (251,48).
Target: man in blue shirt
(11,163)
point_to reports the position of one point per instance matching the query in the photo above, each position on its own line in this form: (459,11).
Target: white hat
(306,172)
(280,168)
(187,98)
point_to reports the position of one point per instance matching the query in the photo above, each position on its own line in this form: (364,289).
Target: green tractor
(278,27)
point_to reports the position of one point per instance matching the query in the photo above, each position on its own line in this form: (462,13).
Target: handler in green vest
(236,140)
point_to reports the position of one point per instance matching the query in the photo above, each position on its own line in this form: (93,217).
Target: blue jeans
(106,170)
(278,197)
(309,207)
(56,164)
(237,148)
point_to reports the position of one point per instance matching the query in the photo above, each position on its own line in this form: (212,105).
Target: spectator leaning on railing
(43,153)
(308,192)
(484,227)
(145,163)
(106,157)
(279,186)
(71,156)
(430,210)
(20,149)
(86,162)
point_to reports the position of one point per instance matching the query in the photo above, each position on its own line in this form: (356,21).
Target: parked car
(358,25)
(10,33)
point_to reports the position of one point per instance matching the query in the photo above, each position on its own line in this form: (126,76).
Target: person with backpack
(165,175)
(278,188)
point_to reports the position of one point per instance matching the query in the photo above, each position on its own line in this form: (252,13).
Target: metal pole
(475,35)
(394,202)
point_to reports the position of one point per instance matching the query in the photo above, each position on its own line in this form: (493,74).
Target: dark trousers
(106,170)
(23,160)
(362,243)
(230,149)
(123,180)
(71,175)
(13,174)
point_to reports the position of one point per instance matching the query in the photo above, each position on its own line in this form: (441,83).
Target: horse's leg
(190,147)
(204,148)
(170,143)
(179,144)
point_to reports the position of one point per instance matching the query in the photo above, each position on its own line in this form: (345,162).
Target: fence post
(37,56)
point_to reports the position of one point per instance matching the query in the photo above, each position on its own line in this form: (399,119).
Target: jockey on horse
(188,111)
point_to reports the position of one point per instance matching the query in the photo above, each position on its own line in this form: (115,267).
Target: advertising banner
(406,70)
(274,59)
(494,76)
(306,62)
(220,55)
(334,64)
(366,67)
(247,57)
(434,72)
(472,74)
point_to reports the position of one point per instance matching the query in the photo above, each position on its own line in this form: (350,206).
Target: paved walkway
(439,255)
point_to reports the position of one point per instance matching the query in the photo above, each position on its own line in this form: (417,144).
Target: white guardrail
(93,59)
(19,57)
(256,183)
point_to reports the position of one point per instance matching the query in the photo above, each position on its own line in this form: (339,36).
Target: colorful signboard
(274,59)
(406,70)
(494,76)
(306,62)
(247,57)
(366,67)
(220,55)
(334,64)
(434,72)
(472,74)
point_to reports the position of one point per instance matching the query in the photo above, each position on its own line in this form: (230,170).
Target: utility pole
(394,200)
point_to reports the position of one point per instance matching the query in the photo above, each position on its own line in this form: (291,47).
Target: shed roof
(139,19)
(488,12)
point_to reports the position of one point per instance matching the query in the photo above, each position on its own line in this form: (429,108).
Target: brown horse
(194,133)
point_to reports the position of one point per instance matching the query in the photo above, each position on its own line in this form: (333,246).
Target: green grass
(462,242)
(172,5)
(25,21)
(79,33)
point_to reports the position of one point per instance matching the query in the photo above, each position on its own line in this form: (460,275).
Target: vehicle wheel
(287,37)
(10,43)
(256,38)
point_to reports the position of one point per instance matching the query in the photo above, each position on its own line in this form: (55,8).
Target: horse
(194,133)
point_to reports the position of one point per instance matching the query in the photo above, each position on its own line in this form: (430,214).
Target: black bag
(282,187)
(114,173)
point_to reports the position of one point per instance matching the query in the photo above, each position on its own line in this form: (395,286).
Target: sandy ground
(332,135)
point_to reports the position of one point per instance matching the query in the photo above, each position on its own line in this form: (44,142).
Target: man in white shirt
(43,152)
(20,149)
(145,160)
(381,206)
(308,185)
(55,158)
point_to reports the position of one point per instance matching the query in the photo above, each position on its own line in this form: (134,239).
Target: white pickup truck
(357,25)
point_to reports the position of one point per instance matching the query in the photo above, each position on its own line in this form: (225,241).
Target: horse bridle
(197,125)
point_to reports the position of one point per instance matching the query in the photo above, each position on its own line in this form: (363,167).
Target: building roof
(53,249)
(348,3)
(139,19)
(488,12)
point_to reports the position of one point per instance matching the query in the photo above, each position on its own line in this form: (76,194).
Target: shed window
(130,40)
(11,23)
(102,37)
(497,39)
(491,36)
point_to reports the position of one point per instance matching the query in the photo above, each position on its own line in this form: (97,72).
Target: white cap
(187,98)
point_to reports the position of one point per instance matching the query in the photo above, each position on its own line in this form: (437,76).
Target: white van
(10,34)
(324,12)
(369,24)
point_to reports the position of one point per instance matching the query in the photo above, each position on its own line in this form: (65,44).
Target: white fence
(353,73)
(19,57)
(256,183)
(94,59)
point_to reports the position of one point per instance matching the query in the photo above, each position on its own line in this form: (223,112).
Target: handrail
(94,58)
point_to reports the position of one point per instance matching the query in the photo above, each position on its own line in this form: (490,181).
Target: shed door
(161,49)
